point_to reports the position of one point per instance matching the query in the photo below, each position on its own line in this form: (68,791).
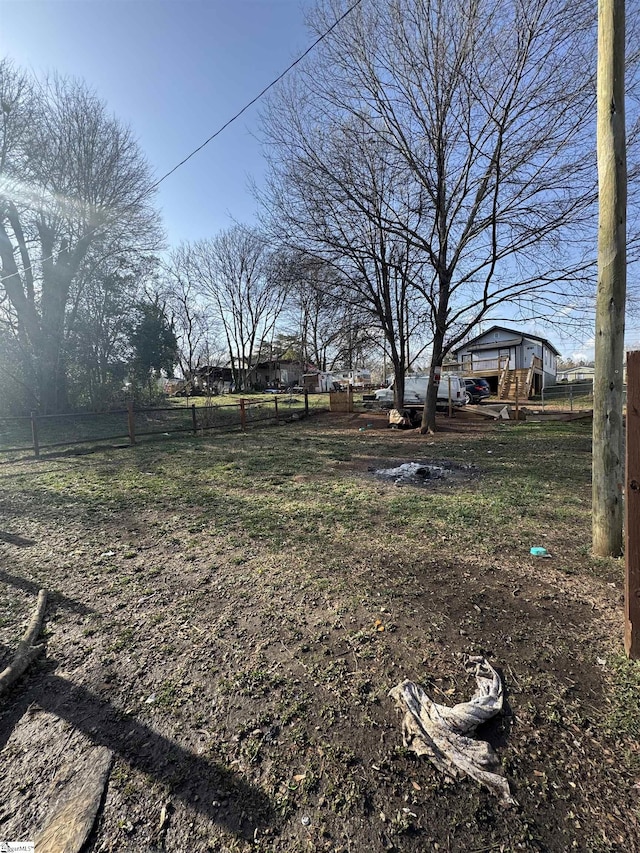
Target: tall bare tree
(483,122)
(608,468)
(316,310)
(72,181)
(241,278)
(320,314)
(331,190)
(185,300)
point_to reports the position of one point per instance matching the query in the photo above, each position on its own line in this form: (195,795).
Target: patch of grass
(255,682)
(623,718)
(124,640)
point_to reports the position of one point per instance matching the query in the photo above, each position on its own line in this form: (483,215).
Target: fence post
(243,415)
(571,397)
(275,403)
(543,398)
(632,510)
(517,400)
(34,433)
(450,401)
(193,418)
(306,401)
(131,422)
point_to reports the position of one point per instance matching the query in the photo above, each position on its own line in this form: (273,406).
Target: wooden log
(26,651)
(79,788)
(488,412)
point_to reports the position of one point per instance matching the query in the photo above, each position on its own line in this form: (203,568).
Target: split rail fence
(37,433)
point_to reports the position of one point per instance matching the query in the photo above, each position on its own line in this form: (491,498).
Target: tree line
(428,165)
(92,305)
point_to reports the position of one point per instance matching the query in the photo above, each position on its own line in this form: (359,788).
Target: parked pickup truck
(415,390)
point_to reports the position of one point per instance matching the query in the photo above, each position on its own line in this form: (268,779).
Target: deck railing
(477,366)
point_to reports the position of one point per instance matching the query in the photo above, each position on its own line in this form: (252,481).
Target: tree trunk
(398,384)
(429,411)
(55,293)
(610,306)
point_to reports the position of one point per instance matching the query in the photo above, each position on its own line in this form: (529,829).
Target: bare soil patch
(229,613)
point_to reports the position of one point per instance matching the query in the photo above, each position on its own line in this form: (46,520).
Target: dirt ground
(228,614)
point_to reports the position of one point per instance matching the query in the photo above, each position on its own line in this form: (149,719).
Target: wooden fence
(341,401)
(37,433)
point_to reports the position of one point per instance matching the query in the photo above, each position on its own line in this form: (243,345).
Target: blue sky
(174,71)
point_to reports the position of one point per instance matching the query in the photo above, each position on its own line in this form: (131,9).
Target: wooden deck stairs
(507,385)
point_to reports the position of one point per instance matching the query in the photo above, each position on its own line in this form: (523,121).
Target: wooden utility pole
(612,279)
(632,511)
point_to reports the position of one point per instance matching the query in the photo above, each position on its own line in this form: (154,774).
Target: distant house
(213,380)
(576,374)
(320,381)
(356,378)
(504,356)
(279,373)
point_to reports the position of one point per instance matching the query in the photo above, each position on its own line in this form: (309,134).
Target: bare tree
(72,182)
(185,300)
(241,278)
(484,126)
(318,310)
(330,191)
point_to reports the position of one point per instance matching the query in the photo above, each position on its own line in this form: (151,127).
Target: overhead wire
(259,95)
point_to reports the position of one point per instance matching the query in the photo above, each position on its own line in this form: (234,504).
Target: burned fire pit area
(423,474)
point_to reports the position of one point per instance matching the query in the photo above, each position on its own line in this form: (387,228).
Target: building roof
(584,369)
(517,339)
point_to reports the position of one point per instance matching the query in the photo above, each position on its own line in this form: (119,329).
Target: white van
(415,391)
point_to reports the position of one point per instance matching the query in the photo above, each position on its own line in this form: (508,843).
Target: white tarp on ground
(410,472)
(441,733)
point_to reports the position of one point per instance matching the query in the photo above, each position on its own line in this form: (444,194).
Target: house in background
(502,355)
(356,378)
(576,374)
(278,373)
(210,379)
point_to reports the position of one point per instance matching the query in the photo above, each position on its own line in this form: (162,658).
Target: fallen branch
(26,651)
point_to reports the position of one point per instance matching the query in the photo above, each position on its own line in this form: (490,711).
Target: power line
(258,96)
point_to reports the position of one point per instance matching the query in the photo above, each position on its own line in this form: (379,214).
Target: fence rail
(37,433)
(574,396)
